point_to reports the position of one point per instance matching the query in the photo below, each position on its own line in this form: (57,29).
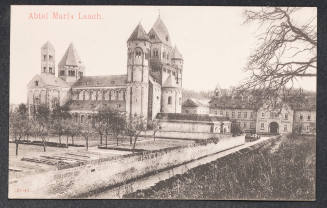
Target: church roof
(70,57)
(170,82)
(176,54)
(161,31)
(101,81)
(47,80)
(139,34)
(48,45)
(191,102)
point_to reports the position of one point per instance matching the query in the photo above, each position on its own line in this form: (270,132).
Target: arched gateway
(273,128)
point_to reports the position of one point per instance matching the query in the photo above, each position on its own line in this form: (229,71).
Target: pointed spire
(160,29)
(70,57)
(138,34)
(176,53)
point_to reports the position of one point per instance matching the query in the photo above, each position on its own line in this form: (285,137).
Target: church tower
(70,66)
(48,59)
(138,46)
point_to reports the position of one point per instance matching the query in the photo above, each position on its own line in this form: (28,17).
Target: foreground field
(284,170)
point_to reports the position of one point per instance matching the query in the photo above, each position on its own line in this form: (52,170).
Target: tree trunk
(130,140)
(87,143)
(117,139)
(135,138)
(44,145)
(59,138)
(106,141)
(72,140)
(16,148)
(100,139)
(67,141)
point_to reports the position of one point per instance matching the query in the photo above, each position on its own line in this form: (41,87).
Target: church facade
(152,83)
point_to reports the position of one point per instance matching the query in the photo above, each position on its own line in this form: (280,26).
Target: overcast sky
(214,42)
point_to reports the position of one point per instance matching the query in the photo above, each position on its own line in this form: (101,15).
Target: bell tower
(48,59)
(138,46)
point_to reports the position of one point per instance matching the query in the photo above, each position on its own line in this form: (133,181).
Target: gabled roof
(176,54)
(139,34)
(191,102)
(47,45)
(101,81)
(160,29)
(70,57)
(229,102)
(47,80)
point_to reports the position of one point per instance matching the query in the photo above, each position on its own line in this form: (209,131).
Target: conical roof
(48,45)
(176,54)
(138,34)
(70,57)
(161,31)
(169,82)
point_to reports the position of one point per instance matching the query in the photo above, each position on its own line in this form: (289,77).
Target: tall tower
(138,46)
(48,59)
(70,66)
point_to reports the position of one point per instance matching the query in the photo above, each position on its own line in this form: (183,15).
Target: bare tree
(154,126)
(287,50)
(41,124)
(134,127)
(19,125)
(117,124)
(86,131)
(58,116)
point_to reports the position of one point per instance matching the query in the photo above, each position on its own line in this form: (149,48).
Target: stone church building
(152,83)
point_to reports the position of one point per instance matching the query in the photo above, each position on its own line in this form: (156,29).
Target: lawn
(284,170)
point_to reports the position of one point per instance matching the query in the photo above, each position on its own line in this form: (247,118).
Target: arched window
(169,100)
(138,56)
(82,118)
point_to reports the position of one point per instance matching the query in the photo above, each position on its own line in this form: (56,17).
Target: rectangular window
(221,113)
(245,114)
(286,116)
(262,126)
(62,73)
(239,115)
(262,114)
(44,69)
(50,57)
(50,69)
(227,114)
(44,57)
(233,114)
(309,117)
(244,125)
(251,115)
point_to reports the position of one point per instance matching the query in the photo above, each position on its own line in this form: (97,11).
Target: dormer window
(44,69)
(167,38)
(44,57)
(36,83)
(152,36)
(50,57)
(50,69)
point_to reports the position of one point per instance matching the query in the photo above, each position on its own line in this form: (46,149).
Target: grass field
(284,170)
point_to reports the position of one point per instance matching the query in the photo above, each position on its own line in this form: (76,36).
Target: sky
(214,42)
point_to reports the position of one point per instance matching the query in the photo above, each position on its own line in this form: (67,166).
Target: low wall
(96,175)
(187,135)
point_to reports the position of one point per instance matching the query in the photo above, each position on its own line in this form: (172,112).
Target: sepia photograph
(162,102)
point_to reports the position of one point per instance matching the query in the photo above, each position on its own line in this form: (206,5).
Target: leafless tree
(286,51)
(19,125)
(41,124)
(135,125)
(154,126)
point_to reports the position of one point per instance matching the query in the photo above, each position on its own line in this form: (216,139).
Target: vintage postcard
(162,102)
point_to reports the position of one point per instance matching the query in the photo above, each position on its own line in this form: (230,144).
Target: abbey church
(152,83)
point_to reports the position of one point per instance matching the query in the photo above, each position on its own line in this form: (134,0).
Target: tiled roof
(191,102)
(93,105)
(70,57)
(161,31)
(227,102)
(176,54)
(101,81)
(190,117)
(48,80)
(139,34)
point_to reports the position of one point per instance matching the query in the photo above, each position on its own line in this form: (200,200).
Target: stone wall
(100,174)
